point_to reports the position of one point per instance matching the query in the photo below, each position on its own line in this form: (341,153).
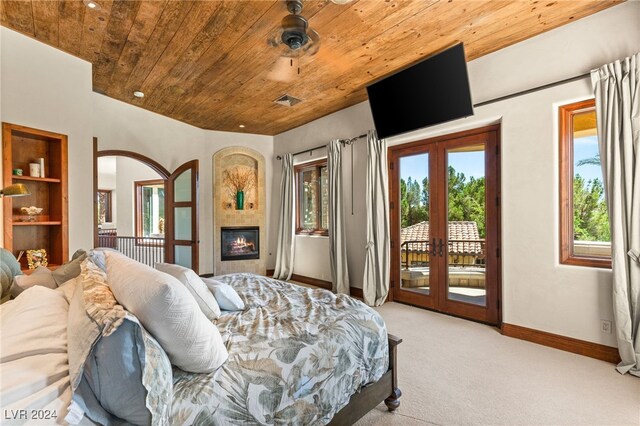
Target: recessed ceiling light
(138,94)
(341,2)
(241,126)
(91,4)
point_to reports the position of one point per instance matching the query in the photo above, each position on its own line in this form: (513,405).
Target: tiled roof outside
(458,230)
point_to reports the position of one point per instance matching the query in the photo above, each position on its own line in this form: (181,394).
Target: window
(104,206)
(585,236)
(312,185)
(149,208)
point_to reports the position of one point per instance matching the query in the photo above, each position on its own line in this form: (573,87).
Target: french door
(181,245)
(445,221)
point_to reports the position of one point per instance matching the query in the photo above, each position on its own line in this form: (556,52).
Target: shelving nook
(50,231)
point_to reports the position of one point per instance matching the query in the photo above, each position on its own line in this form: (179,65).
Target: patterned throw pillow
(118,371)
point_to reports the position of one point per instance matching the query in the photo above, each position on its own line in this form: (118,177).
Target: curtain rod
(343,141)
(479,104)
(533,89)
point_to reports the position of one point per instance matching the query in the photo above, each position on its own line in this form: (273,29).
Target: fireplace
(240,243)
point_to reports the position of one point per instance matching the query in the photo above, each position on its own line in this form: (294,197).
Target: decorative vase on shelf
(240,200)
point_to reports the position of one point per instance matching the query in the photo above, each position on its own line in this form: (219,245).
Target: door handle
(440,247)
(433,248)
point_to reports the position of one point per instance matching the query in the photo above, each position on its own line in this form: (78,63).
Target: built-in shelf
(47,223)
(22,146)
(36,179)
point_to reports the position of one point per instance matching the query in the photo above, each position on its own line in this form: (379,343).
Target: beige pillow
(40,276)
(68,288)
(168,311)
(70,269)
(195,285)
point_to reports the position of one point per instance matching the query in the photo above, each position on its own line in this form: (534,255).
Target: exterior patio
(466,255)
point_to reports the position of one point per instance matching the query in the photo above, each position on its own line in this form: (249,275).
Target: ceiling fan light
(91,4)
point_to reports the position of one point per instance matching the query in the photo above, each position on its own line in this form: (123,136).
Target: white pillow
(168,311)
(33,353)
(225,295)
(196,287)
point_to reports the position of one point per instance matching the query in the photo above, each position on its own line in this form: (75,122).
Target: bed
(297,356)
(303,345)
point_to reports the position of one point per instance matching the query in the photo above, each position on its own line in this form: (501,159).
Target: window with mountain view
(585,233)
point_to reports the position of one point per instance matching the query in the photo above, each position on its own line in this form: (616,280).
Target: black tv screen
(432,91)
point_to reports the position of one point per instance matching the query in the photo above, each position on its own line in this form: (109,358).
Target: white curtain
(375,285)
(617,91)
(337,241)
(286,223)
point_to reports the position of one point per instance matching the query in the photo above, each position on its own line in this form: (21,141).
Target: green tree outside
(590,218)
(466,200)
(467,203)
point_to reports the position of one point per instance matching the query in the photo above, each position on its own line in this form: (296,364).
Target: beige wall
(171,143)
(45,88)
(128,171)
(107,180)
(537,291)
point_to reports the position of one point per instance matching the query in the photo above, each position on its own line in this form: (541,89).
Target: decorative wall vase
(240,200)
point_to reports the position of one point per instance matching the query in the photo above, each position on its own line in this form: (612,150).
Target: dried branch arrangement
(239,179)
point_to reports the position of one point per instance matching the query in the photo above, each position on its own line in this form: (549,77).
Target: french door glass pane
(182,187)
(466,225)
(414,226)
(182,226)
(182,256)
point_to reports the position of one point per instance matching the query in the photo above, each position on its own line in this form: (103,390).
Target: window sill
(311,235)
(589,262)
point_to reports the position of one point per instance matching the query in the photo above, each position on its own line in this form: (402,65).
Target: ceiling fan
(293,39)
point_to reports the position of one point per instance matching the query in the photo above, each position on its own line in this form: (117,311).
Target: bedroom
(558,299)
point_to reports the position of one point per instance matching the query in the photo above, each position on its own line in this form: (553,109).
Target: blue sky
(586,147)
(469,163)
(472,163)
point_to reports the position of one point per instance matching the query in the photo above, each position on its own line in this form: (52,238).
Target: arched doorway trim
(157,167)
(154,165)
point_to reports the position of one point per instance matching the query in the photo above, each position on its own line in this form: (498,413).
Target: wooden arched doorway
(179,242)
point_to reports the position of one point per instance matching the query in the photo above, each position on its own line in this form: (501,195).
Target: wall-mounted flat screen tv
(430,92)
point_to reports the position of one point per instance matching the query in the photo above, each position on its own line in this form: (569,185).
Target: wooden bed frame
(386,389)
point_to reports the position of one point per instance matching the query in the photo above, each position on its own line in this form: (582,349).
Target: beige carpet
(456,372)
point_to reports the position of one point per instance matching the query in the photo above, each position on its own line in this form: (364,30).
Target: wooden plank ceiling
(207,62)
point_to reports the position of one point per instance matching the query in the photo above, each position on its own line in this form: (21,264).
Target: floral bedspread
(296,355)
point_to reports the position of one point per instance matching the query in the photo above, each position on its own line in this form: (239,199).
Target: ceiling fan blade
(335,62)
(284,70)
(313,45)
